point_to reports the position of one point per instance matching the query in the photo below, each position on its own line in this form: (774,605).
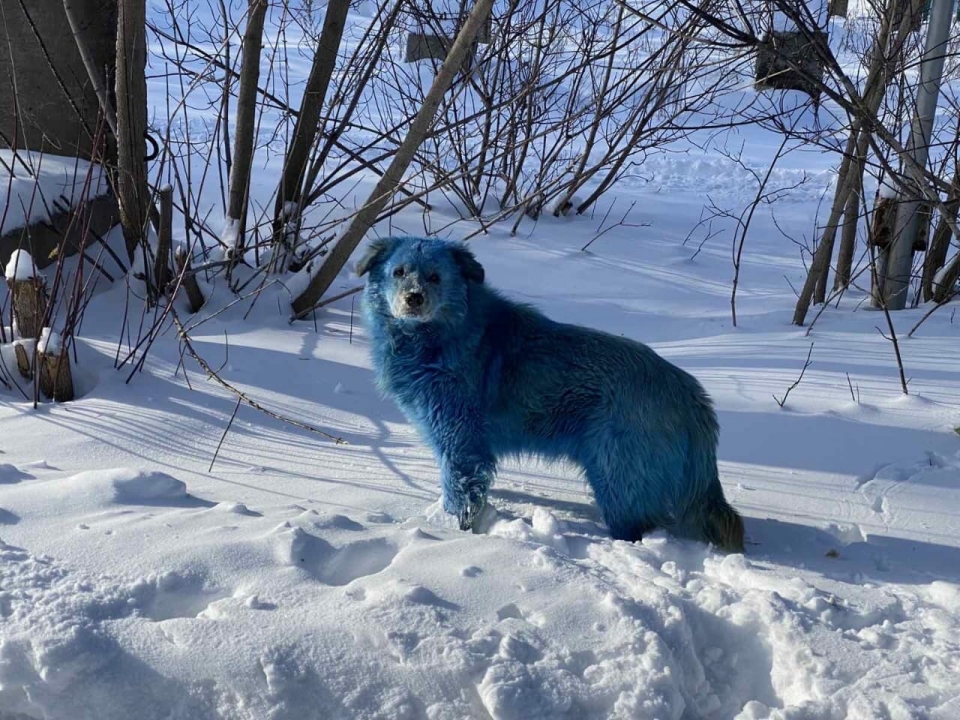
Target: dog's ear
(377,252)
(469,267)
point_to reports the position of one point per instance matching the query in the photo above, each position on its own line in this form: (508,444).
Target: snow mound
(125,485)
(329,614)
(57,657)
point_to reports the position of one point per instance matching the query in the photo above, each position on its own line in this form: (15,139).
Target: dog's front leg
(465,484)
(467,467)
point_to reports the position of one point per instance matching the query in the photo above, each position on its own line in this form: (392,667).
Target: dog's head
(419,280)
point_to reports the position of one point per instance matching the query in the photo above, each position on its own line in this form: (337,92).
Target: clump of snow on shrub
(20,266)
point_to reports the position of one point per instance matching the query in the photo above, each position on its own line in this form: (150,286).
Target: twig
(855,398)
(185,338)
(326,302)
(807,364)
(930,312)
(892,337)
(3,380)
(886,313)
(621,223)
(351,320)
(224,436)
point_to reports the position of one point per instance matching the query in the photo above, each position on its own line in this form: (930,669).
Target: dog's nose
(415,300)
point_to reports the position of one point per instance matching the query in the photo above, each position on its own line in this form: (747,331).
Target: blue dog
(483,377)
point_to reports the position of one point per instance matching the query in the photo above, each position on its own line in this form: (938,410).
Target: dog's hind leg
(623,508)
(724,526)
(716,522)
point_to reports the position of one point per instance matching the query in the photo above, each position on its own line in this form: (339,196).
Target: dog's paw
(473,510)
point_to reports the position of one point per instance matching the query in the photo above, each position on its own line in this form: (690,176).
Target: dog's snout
(415,299)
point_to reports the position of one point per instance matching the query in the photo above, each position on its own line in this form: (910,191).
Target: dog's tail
(723,525)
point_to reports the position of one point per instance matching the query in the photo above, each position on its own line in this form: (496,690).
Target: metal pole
(900,264)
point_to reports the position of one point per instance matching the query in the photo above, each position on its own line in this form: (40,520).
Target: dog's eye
(399,272)
(433,278)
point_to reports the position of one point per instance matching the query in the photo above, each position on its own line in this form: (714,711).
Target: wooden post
(29,306)
(23,361)
(56,379)
(161,265)
(190,284)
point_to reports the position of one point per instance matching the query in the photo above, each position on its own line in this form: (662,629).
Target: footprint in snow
(329,564)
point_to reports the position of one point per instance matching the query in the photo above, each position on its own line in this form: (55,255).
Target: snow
(296,578)
(49,343)
(230,233)
(38,182)
(20,266)
(941,277)
(887,188)
(304,579)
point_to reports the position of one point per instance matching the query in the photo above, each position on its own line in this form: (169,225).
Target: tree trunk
(131,92)
(307,126)
(872,96)
(821,258)
(848,234)
(246,120)
(945,281)
(388,184)
(897,280)
(84,36)
(851,217)
(940,243)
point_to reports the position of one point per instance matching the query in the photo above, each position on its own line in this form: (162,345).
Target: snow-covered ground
(304,579)
(301,579)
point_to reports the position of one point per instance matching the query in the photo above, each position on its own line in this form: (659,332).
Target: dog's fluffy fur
(483,377)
